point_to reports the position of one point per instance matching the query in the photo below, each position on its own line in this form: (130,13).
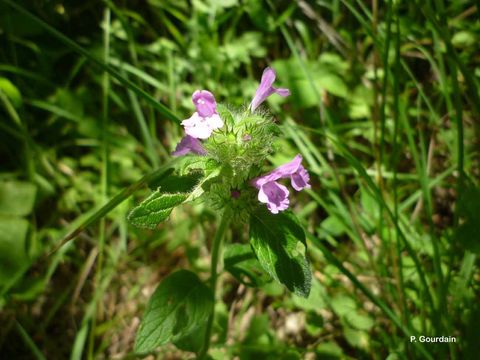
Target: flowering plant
(221,161)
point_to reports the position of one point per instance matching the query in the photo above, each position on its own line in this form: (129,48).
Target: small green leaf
(464,39)
(356,338)
(467,235)
(316,299)
(332,226)
(13,252)
(240,261)
(154,209)
(329,351)
(314,323)
(359,321)
(279,243)
(179,306)
(177,184)
(469,209)
(343,304)
(17,198)
(11,91)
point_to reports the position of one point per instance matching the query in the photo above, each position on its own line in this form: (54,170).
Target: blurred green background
(385,110)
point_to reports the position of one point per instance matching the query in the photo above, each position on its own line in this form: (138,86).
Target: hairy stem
(214,268)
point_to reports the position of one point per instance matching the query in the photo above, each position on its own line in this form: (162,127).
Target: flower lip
(275,196)
(189,144)
(265,89)
(204,102)
(300,179)
(285,170)
(206,119)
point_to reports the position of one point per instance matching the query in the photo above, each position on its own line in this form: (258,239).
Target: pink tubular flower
(266,89)
(275,195)
(206,119)
(189,144)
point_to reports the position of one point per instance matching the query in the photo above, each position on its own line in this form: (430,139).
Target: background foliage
(384,108)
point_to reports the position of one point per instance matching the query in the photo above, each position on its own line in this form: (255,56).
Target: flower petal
(275,196)
(268,77)
(289,168)
(282,92)
(300,179)
(197,126)
(215,121)
(265,89)
(283,171)
(189,144)
(204,102)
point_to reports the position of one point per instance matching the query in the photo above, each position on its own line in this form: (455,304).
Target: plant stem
(214,268)
(104,182)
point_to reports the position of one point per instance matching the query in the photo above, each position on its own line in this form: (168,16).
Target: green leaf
(316,299)
(468,236)
(179,306)
(469,209)
(279,243)
(17,198)
(322,76)
(332,226)
(240,261)
(356,338)
(329,351)
(11,91)
(464,39)
(177,183)
(359,321)
(13,253)
(343,304)
(154,209)
(313,323)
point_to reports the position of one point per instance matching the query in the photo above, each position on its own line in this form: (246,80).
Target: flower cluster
(241,142)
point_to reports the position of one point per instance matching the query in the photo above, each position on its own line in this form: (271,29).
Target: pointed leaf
(179,306)
(240,261)
(279,243)
(154,209)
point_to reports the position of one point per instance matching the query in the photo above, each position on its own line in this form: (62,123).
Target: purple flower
(275,195)
(266,89)
(189,144)
(206,119)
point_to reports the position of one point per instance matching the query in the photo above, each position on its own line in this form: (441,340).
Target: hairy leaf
(180,305)
(177,183)
(279,243)
(154,209)
(240,261)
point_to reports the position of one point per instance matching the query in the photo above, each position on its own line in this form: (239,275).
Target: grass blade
(105,67)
